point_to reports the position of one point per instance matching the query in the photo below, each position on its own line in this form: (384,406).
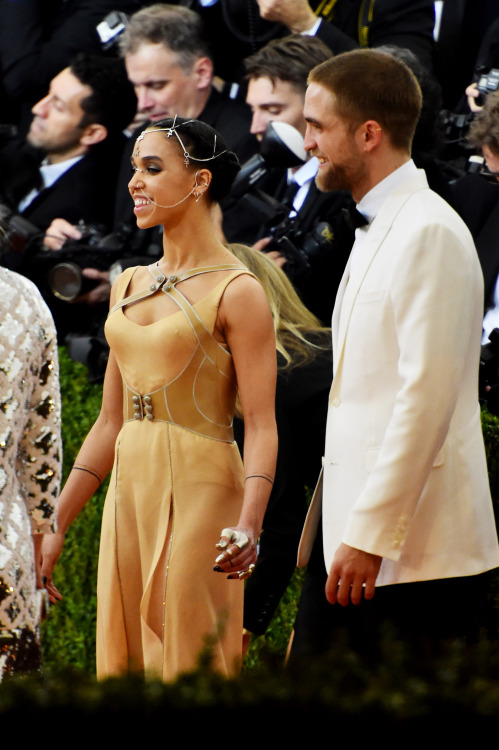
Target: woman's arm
(246,322)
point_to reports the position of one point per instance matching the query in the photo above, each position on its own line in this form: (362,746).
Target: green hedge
(337,696)
(68,636)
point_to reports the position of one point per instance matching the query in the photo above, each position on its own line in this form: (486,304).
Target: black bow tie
(354,218)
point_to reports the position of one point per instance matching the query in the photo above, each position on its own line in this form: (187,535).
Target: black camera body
(487,83)
(301,249)
(63,268)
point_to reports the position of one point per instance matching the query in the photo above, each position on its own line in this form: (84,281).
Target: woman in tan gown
(185,334)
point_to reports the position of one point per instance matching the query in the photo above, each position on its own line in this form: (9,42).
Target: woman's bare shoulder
(244,299)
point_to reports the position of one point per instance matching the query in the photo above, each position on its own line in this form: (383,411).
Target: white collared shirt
(372,201)
(303,177)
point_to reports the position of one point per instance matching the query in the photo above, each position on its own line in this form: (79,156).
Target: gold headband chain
(173,130)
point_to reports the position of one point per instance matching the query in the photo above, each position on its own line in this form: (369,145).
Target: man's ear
(203,70)
(371,134)
(92,134)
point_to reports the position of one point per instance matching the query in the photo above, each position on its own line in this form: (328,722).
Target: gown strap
(122,287)
(160,279)
(199,271)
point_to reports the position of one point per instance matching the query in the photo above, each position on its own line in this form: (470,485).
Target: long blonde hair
(294,324)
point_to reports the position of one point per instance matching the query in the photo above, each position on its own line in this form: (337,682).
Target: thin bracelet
(89,471)
(259,476)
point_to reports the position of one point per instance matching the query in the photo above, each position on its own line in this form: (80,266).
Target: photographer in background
(477,201)
(55,178)
(277,80)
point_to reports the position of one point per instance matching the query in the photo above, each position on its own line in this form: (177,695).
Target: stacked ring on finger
(247,573)
(236,537)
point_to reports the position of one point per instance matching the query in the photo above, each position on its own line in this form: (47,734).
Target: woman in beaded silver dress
(30,464)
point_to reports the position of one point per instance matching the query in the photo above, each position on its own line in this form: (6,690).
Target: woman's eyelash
(151,169)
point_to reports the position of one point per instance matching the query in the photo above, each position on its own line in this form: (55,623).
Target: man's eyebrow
(312,121)
(154,81)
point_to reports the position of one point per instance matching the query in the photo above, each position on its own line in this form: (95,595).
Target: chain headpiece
(173,130)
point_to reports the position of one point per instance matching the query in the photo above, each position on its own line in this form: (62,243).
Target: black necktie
(289,194)
(354,218)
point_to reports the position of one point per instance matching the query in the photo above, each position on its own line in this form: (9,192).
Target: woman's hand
(51,549)
(238,555)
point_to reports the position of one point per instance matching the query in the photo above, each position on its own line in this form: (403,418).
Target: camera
(487,83)
(111,28)
(281,146)
(15,234)
(300,249)
(62,269)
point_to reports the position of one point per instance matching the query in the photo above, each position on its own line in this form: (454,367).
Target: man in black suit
(67,167)
(277,79)
(66,171)
(477,201)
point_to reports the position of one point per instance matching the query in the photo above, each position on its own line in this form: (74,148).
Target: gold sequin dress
(177,481)
(30,461)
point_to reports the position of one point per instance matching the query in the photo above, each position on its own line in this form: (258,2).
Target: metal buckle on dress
(142,407)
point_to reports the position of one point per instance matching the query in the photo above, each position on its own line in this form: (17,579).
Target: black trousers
(425,615)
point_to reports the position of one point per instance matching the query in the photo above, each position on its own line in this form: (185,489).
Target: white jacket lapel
(353,277)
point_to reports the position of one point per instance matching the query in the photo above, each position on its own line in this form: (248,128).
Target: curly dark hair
(206,149)
(484,130)
(112,102)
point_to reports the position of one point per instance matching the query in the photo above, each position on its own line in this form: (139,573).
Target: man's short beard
(340,177)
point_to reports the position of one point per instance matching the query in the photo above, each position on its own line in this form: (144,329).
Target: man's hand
(58,232)
(274,255)
(472,94)
(100,293)
(297,15)
(351,569)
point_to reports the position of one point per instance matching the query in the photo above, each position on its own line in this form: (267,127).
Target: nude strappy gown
(177,481)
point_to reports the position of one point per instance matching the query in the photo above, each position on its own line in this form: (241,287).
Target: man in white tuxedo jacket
(405,494)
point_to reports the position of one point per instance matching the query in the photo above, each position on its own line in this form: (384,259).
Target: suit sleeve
(405,23)
(336,40)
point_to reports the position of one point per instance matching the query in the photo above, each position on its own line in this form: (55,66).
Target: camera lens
(65,281)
